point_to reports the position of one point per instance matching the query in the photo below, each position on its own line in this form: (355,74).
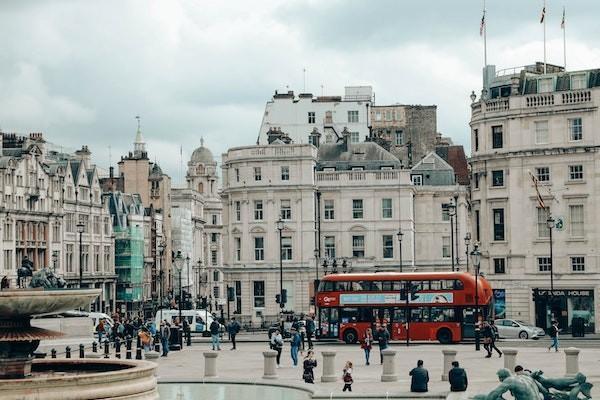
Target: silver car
(515,329)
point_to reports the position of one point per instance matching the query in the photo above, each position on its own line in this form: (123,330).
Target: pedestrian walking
(215,328)
(100,330)
(295,346)
(277,345)
(165,335)
(458,378)
(233,328)
(309,364)
(347,377)
(490,333)
(145,338)
(367,343)
(419,378)
(310,331)
(554,335)
(383,340)
(302,331)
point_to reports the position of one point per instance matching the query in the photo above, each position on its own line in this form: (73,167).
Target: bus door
(399,323)
(381,316)
(467,320)
(329,323)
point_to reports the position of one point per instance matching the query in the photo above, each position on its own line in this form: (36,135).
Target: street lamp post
(467,243)
(280,229)
(316,284)
(456,239)
(178,261)
(187,282)
(451,214)
(161,249)
(550,223)
(476,259)
(80,229)
(400,234)
(54,260)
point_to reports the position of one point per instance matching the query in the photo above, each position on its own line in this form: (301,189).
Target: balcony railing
(580,96)
(497,105)
(362,177)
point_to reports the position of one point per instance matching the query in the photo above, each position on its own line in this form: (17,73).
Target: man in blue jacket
(295,345)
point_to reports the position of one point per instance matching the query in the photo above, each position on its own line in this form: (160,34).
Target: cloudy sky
(81,71)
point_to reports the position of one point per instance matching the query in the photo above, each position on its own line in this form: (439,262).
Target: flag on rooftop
(562,23)
(536,182)
(482,26)
(543,15)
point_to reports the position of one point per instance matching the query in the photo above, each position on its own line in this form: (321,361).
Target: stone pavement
(246,364)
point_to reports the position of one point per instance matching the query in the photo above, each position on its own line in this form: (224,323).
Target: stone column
(449,356)
(329,374)
(270,370)
(210,364)
(389,366)
(510,359)
(572,361)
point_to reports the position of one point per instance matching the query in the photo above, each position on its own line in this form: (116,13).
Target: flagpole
(564,28)
(544,36)
(484,37)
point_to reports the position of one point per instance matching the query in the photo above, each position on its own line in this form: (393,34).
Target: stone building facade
(530,123)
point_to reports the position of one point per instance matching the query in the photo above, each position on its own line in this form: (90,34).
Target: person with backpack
(553,332)
(309,364)
(233,328)
(458,378)
(310,331)
(295,343)
(215,328)
(277,345)
(347,377)
(165,335)
(490,333)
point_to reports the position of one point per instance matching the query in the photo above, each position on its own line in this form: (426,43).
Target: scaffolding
(129,266)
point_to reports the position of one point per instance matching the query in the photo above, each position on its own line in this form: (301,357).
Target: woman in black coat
(309,364)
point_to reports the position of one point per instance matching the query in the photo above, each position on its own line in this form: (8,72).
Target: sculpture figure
(45,278)
(24,271)
(522,387)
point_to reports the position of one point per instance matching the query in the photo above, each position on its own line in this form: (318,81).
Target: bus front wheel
(350,336)
(444,336)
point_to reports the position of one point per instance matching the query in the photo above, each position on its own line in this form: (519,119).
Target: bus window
(435,285)
(458,285)
(399,315)
(376,286)
(326,286)
(418,285)
(420,314)
(398,285)
(365,286)
(349,315)
(447,284)
(438,314)
(354,286)
(387,286)
(341,286)
(365,314)
(382,315)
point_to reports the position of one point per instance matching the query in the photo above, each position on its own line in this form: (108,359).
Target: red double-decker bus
(441,305)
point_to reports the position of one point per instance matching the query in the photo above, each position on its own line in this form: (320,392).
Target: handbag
(487,340)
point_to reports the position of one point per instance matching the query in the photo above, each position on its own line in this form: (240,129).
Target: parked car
(199,320)
(512,328)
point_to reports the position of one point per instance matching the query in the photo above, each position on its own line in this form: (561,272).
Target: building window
(577,221)
(85,257)
(578,264)
(498,214)
(311,117)
(97,264)
(69,222)
(214,237)
(213,257)
(545,85)
(445,212)
(286,209)
(285,173)
(578,81)
(238,211)
(399,138)
(475,180)
(498,178)
(259,294)
(216,276)
(497,140)
(237,174)
(257,174)
(541,132)
(7,260)
(329,247)
(352,116)
(107,265)
(216,292)
(329,210)
(69,258)
(377,115)
(96,228)
(238,248)
(106,226)
(575,129)
(259,248)
(388,246)
(357,208)
(8,231)
(417,180)
(575,172)
(358,246)
(354,137)
(386,208)
(542,222)
(286,248)
(543,174)
(258,210)
(446,246)
(499,265)
(476,139)
(238,296)
(544,264)
(477,226)
(215,219)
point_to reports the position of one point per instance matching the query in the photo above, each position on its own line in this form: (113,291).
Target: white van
(199,320)
(96,317)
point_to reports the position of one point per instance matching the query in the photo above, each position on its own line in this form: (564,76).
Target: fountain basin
(20,303)
(74,379)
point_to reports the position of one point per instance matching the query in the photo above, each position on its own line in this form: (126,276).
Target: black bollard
(138,343)
(138,353)
(106,348)
(94,347)
(189,337)
(128,354)
(156,344)
(81,351)
(117,347)
(53,353)
(68,352)
(180,332)
(128,342)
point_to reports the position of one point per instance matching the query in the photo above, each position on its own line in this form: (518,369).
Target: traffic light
(284,294)
(203,303)
(278,298)
(230,294)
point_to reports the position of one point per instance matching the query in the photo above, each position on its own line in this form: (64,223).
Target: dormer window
(545,85)
(578,81)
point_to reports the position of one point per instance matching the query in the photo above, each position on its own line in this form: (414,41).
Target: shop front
(567,306)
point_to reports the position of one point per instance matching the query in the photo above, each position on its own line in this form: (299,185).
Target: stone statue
(24,271)
(5,284)
(522,387)
(45,278)
(563,388)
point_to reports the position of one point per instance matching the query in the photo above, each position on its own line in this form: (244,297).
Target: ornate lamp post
(550,223)
(80,228)
(400,234)
(280,229)
(161,250)
(451,214)
(476,260)
(187,282)
(178,261)
(467,243)
(316,284)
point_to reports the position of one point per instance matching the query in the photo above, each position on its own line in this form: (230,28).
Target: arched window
(201,187)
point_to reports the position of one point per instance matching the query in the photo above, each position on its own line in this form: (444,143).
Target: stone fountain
(22,377)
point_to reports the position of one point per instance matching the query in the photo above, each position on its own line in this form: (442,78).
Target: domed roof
(156,170)
(202,154)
